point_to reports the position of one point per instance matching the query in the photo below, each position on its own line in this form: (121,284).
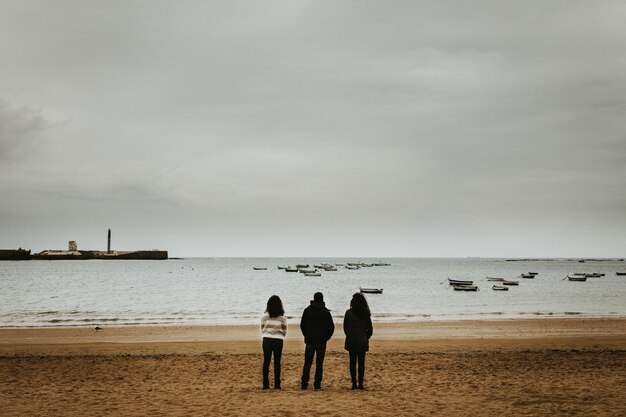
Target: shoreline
(414,318)
(505,334)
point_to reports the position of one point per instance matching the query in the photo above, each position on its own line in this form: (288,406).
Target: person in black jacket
(317,327)
(357,325)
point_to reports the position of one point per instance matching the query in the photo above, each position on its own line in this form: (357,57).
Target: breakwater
(54,255)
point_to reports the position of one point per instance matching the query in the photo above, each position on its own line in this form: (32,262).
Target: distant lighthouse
(109,242)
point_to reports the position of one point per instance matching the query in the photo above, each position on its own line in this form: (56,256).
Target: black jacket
(358,331)
(317,324)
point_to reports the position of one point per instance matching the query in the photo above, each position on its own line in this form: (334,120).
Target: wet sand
(482,368)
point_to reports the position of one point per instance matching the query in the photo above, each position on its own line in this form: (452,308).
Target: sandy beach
(530,367)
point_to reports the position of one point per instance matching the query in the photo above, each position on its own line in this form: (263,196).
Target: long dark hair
(275,306)
(359,305)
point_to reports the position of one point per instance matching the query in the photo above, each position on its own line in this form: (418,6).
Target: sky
(315,128)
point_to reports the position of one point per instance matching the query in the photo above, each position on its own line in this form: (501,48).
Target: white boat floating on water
(371,290)
(500,288)
(460,282)
(495,279)
(580,278)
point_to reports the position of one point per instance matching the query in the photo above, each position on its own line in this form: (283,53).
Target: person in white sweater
(273,330)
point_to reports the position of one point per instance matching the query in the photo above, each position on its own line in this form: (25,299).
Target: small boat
(307,271)
(283,267)
(312,274)
(259,268)
(459,282)
(505,282)
(352,267)
(371,290)
(620,274)
(500,288)
(579,278)
(302,266)
(527,276)
(291,270)
(533,273)
(594,275)
(464,287)
(495,279)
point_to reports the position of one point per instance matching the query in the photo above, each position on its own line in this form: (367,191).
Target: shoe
(361,387)
(266,387)
(304,387)
(353,386)
(319,388)
(277,387)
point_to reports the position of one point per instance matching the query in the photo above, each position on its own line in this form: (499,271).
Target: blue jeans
(313,350)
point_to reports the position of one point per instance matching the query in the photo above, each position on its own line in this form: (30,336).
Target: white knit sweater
(273,327)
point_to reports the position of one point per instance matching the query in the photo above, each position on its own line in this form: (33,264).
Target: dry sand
(549,367)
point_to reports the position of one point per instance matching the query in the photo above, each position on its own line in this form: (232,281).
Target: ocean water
(228,290)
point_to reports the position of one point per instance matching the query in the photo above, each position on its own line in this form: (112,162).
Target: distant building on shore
(72,252)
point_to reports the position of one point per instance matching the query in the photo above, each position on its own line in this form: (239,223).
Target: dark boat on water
(620,274)
(464,287)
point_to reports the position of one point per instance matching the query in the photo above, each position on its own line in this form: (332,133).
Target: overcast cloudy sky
(315,128)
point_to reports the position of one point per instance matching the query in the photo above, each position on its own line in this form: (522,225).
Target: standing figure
(274,330)
(357,325)
(317,327)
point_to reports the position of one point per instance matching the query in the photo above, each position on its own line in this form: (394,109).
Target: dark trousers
(354,358)
(319,351)
(271,346)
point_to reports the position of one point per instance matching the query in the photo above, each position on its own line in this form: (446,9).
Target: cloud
(320,117)
(19,130)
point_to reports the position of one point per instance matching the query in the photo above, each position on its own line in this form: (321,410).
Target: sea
(208,291)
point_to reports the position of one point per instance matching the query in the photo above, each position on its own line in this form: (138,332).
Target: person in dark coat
(317,328)
(357,325)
